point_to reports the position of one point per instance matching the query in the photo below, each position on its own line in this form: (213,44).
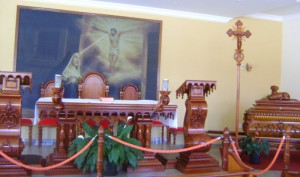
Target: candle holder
(164,98)
(163,101)
(56,98)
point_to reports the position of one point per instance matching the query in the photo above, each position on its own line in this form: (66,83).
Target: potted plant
(252,145)
(115,154)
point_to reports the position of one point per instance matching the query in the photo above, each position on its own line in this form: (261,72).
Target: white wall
(290,77)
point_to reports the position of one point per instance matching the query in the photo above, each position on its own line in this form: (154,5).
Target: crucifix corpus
(239,33)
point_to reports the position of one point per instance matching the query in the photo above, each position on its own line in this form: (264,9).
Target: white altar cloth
(168,122)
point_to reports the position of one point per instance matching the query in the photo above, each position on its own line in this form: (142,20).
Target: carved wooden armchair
(130,92)
(93,85)
(51,119)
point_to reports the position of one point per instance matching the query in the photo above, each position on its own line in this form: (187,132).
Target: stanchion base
(197,162)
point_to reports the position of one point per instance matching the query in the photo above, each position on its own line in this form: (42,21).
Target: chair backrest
(130,92)
(46,89)
(93,85)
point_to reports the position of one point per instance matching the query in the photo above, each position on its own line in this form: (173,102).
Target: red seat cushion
(156,122)
(26,122)
(104,123)
(91,123)
(49,122)
(178,129)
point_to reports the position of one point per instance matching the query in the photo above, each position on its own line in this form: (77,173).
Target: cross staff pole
(239,33)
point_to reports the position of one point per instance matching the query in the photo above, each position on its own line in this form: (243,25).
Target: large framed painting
(124,50)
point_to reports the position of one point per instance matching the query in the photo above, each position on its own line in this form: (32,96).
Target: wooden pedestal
(194,133)
(196,162)
(10,141)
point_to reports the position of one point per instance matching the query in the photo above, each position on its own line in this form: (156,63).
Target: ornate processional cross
(239,33)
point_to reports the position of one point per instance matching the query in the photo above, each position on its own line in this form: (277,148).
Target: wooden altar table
(75,111)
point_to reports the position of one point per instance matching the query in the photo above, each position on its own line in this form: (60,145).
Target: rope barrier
(234,148)
(165,151)
(142,149)
(48,167)
(272,162)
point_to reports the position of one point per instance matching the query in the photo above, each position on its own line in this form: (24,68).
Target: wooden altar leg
(62,137)
(65,134)
(168,135)
(100,152)
(140,134)
(162,134)
(71,134)
(148,135)
(174,137)
(40,129)
(150,163)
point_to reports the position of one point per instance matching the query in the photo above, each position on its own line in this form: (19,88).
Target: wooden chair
(50,120)
(93,85)
(174,132)
(130,92)
(157,123)
(28,123)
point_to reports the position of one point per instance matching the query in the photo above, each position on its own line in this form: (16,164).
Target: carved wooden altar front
(272,115)
(75,111)
(11,84)
(196,111)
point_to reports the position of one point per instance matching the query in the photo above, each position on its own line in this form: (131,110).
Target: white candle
(57,81)
(165,85)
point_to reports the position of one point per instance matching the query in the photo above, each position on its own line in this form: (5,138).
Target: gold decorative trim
(277,118)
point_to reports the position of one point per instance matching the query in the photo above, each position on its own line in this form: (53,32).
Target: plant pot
(254,158)
(110,169)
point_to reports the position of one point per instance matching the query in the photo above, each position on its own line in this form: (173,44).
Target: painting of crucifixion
(122,49)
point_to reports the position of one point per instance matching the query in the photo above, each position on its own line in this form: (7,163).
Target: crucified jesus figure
(114,39)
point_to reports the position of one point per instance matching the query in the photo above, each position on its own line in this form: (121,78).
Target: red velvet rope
(143,149)
(48,167)
(272,162)
(234,149)
(165,151)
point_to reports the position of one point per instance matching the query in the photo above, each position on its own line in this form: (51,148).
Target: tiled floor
(45,150)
